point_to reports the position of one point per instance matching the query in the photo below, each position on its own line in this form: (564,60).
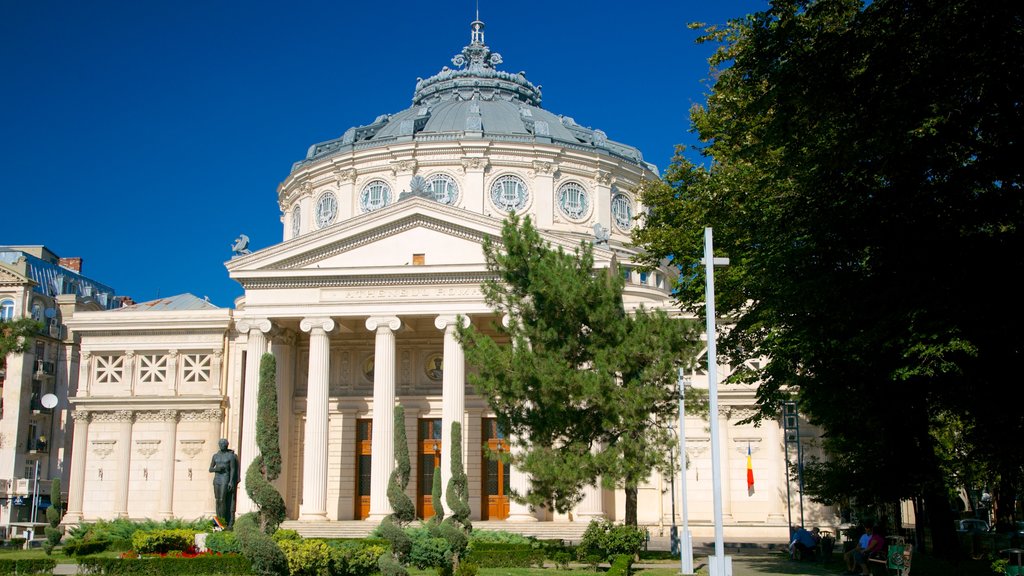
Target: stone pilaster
(170,438)
(314,461)
(79,452)
(255,348)
(453,387)
(124,418)
(383,440)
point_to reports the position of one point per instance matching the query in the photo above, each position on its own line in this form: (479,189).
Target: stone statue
(241,245)
(224,466)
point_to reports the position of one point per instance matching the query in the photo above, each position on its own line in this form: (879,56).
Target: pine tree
(587,391)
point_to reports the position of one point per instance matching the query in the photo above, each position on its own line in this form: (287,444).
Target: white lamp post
(685,541)
(719,564)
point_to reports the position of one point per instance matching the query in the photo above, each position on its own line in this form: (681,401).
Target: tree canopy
(863,175)
(585,389)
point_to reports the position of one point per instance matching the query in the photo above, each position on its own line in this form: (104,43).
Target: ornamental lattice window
(196,368)
(152,369)
(109,369)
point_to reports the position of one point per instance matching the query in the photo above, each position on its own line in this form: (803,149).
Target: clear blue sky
(146,136)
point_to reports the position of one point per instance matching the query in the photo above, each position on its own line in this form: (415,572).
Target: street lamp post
(719,564)
(685,540)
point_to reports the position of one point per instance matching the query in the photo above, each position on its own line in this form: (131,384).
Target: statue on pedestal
(224,466)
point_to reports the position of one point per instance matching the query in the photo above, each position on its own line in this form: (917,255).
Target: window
(443,188)
(509,193)
(375,195)
(573,200)
(622,211)
(326,209)
(6,309)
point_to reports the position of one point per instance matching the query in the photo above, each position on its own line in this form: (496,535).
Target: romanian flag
(750,473)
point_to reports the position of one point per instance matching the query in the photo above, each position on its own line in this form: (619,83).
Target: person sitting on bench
(804,543)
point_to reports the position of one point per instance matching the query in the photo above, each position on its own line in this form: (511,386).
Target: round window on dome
(622,211)
(296,221)
(326,209)
(573,200)
(375,195)
(443,188)
(509,193)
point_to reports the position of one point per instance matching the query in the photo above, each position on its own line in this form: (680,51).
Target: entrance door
(429,464)
(496,472)
(364,436)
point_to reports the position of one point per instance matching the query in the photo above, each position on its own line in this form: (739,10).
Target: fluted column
(124,418)
(453,390)
(314,461)
(383,438)
(170,437)
(592,504)
(256,347)
(727,460)
(79,452)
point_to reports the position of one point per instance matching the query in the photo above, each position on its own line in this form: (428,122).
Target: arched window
(7,309)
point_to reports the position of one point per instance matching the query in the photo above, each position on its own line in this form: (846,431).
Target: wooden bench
(896,561)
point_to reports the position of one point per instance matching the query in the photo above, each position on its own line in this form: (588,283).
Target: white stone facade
(358,304)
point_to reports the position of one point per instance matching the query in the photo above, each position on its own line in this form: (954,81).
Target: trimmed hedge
(163,541)
(622,565)
(501,555)
(27,566)
(228,564)
(85,547)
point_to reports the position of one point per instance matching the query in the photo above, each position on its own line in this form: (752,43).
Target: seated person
(804,543)
(870,545)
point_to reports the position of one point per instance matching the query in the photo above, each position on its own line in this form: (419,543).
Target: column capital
(325,324)
(373,323)
(446,321)
(81,415)
(248,324)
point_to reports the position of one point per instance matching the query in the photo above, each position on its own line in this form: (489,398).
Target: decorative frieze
(157,416)
(114,416)
(147,448)
(191,448)
(208,415)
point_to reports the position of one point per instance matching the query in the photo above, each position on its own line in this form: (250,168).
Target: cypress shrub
(263,553)
(266,467)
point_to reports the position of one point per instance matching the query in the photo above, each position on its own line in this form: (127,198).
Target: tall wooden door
(364,459)
(495,472)
(429,460)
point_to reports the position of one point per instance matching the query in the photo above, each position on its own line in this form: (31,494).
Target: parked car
(972,525)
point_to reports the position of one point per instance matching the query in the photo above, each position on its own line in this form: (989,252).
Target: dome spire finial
(477,56)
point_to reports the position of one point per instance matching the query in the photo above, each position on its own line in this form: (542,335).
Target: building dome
(474,98)
(474,138)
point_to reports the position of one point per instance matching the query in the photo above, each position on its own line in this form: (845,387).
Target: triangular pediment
(10,277)
(416,236)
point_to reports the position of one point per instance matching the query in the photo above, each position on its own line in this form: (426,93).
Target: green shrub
(263,553)
(228,564)
(222,542)
(430,552)
(621,565)
(561,559)
(501,555)
(306,557)
(162,541)
(605,539)
(27,566)
(17,542)
(281,535)
(467,569)
(499,536)
(86,547)
(355,557)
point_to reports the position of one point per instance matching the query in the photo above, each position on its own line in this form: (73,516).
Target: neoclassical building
(380,253)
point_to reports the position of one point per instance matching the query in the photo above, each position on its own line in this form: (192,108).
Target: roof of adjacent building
(172,303)
(52,279)
(474,100)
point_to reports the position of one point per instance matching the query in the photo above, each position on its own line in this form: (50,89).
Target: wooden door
(429,463)
(364,459)
(495,472)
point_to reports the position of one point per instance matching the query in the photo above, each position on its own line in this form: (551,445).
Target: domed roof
(474,100)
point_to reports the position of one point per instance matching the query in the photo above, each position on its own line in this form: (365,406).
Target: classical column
(255,348)
(172,370)
(170,439)
(519,481)
(314,461)
(543,186)
(215,362)
(128,372)
(383,439)
(79,452)
(124,418)
(453,391)
(592,504)
(84,370)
